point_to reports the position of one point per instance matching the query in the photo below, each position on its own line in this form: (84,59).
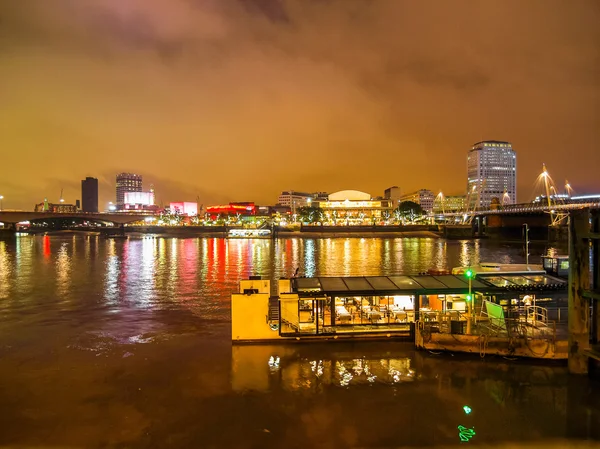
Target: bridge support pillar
(596,276)
(579,282)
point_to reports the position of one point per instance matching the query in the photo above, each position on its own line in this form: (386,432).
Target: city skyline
(108,193)
(236,100)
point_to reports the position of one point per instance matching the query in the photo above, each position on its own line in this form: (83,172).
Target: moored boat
(249,234)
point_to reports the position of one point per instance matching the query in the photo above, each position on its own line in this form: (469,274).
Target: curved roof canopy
(351,195)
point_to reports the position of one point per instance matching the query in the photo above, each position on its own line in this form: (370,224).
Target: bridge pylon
(556,217)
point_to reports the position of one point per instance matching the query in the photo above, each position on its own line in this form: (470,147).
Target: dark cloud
(240,99)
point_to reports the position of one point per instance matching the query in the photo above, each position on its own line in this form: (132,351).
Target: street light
(526,226)
(1,198)
(469,274)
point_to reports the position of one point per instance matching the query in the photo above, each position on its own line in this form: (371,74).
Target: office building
(423,198)
(392,193)
(89,195)
(127,182)
(450,203)
(295,200)
(492,173)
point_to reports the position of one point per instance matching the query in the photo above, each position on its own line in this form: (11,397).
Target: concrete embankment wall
(180,231)
(424,231)
(511,227)
(457,231)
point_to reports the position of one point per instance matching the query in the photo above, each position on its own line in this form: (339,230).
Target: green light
(467,409)
(465,434)
(469,273)
(469,297)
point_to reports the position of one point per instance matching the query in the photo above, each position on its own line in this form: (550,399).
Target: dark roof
(510,280)
(386,284)
(492,141)
(424,284)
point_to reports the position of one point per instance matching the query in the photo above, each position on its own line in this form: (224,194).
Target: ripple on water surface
(126,343)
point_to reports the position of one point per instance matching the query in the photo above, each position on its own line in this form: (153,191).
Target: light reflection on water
(127,342)
(414,398)
(63,269)
(197,275)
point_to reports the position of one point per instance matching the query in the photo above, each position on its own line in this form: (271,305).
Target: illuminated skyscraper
(89,195)
(492,173)
(127,182)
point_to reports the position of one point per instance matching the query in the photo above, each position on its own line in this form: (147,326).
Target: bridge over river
(12,217)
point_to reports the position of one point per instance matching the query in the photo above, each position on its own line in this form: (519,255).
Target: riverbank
(418,231)
(222,232)
(396,234)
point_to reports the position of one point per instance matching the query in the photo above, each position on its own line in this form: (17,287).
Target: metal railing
(536,325)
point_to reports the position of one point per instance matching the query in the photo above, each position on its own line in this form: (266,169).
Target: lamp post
(526,226)
(469,275)
(1,198)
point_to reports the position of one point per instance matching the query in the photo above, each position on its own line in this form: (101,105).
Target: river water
(126,343)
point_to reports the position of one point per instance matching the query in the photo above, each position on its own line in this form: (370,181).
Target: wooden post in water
(579,281)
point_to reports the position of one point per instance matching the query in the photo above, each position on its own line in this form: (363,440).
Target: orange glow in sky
(235,100)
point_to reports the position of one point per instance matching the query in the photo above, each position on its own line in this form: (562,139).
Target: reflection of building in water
(365,387)
(259,367)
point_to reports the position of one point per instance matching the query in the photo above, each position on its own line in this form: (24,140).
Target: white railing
(518,208)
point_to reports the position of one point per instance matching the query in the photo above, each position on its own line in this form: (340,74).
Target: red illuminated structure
(245,209)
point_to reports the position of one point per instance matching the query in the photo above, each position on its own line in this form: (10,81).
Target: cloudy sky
(236,100)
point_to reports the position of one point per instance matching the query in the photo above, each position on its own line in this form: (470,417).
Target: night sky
(233,100)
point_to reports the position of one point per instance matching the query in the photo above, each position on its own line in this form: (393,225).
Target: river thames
(126,343)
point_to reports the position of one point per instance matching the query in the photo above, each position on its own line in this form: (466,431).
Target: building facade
(127,182)
(232,209)
(57,208)
(352,207)
(89,194)
(295,200)
(139,201)
(423,198)
(491,173)
(451,203)
(392,193)
(184,208)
